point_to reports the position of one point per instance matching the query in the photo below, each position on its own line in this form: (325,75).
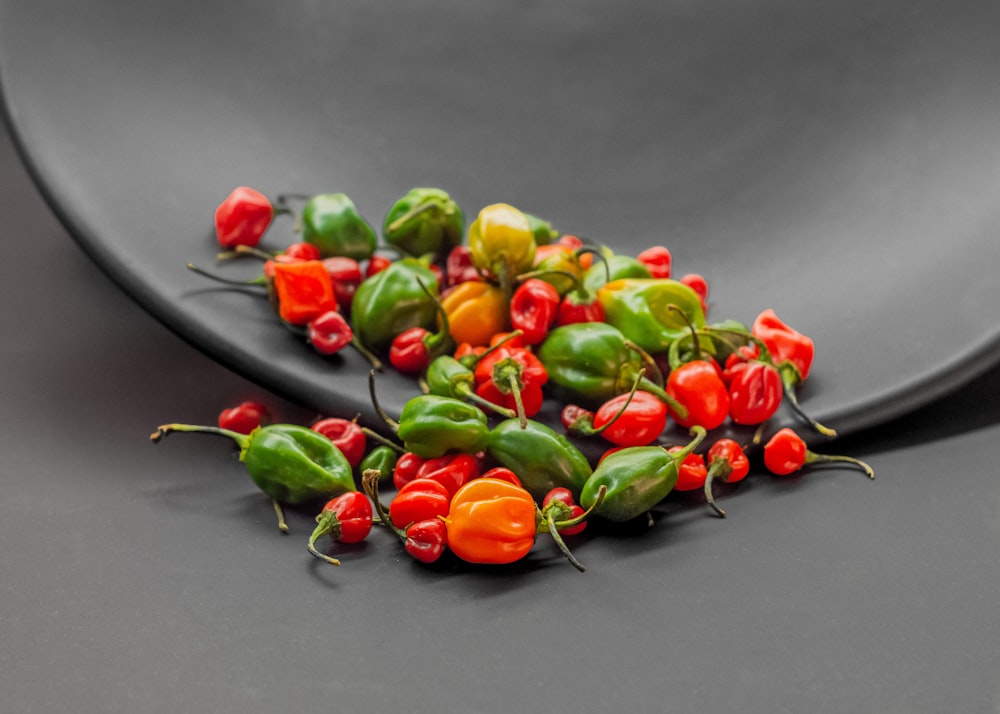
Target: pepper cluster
(495,322)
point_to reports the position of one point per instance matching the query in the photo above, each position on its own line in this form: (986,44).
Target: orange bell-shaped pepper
(491,521)
(476,311)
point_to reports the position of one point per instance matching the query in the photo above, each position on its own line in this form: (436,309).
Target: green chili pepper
(431,425)
(424,221)
(447,377)
(292,464)
(392,301)
(613,267)
(381,458)
(541,229)
(331,222)
(540,456)
(641,309)
(634,479)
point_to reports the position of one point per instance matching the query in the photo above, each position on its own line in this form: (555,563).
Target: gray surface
(837,162)
(140,578)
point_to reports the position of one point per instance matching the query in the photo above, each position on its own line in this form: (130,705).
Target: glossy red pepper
(243,217)
(346,519)
(419,500)
(533,309)
(755,392)
(303,290)
(329,332)
(451,470)
(302,251)
(376,264)
(635,419)
(426,541)
(786,345)
(786,453)
(691,472)
(244,417)
(579,306)
(572,509)
(413,349)
(700,286)
(658,260)
(504,474)
(345,274)
(459,267)
(726,460)
(346,434)
(512,377)
(698,387)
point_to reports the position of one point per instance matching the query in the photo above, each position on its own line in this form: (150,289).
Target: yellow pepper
(501,242)
(476,311)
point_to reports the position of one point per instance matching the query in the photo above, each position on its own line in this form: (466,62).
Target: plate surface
(837,162)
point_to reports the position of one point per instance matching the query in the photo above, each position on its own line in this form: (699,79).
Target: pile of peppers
(503,323)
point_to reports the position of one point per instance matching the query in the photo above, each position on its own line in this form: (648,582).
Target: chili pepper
(558,265)
(331,222)
(382,458)
(579,306)
(424,221)
(691,471)
(563,496)
(786,452)
(302,251)
(431,425)
(491,521)
(504,474)
(329,332)
(615,267)
(244,417)
(459,268)
(541,229)
(700,286)
(292,464)
(303,290)
(576,419)
(533,309)
(635,479)
(502,243)
(540,456)
(476,311)
(424,540)
(376,264)
(393,300)
(243,217)
(640,308)
(406,468)
(346,519)
(451,470)
(634,419)
(726,460)
(698,386)
(658,261)
(755,391)
(418,500)
(591,362)
(346,434)
(345,274)
(448,377)
(512,377)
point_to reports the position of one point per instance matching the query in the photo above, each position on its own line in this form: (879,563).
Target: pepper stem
(259,281)
(719,467)
(369,483)
(814,458)
(389,421)
(635,386)
(554,527)
(325,523)
(794,403)
(437,342)
(516,390)
(372,434)
(376,363)
(471,396)
(163,430)
(280,515)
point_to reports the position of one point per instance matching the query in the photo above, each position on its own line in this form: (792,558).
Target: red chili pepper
(418,500)
(575,418)
(786,452)
(658,261)
(346,519)
(755,392)
(426,540)
(698,387)
(691,472)
(244,417)
(459,267)
(736,360)
(413,349)
(345,274)
(376,264)
(644,418)
(346,434)
(786,345)
(572,510)
(303,290)
(407,466)
(451,470)
(726,460)
(243,217)
(579,307)
(533,309)
(302,251)
(697,283)
(504,474)
(513,378)
(329,332)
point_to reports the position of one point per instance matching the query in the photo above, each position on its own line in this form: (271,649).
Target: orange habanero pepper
(303,290)
(491,521)
(476,311)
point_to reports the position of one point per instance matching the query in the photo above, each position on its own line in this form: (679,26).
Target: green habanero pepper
(541,229)
(424,221)
(540,456)
(447,377)
(391,301)
(640,308)
(381,458)
(634,479)
(613,267)
(331,222)
(290,463)
(431,425)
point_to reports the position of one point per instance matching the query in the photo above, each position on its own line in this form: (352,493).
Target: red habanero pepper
(755,392)
(413,349)
(329,332)
(426,541)
(579,307)
(418,500)
(302,251)
(571,510)
(346,519)
(575,418)
(697,385)
(737,359)
(726,460)
(533,309)
(504,474)
(303,290)
(786,452)
(459,268)
(658,261)
(635,419)
(244,417)
(345,273)
(691,472)
(243,217)
(513,378)
(376,264)
(786,345)
(700,286)
(491,521)
(406,468)
(451,470)
(346,434)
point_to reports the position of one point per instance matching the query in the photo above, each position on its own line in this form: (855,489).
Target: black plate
(839,163)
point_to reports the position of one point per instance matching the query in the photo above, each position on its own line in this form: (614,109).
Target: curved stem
(813,458)
(259,281)
(375,362)
(635,386)
(720,467)
(557,537)
(794,403)
(323,527)
(164,429)
(280,515)
(471,396)
(516,390)
(369,483)
(389,421)
(375,436)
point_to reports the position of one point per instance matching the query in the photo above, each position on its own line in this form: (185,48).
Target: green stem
(375,362)
(161,431)
(374,435)
(471,396)
(512,379)
(323,527)
(369,483)
(412,213)
(389,421)
(259,281)
(813,458)
(720,467)
(794,403)
(280,515)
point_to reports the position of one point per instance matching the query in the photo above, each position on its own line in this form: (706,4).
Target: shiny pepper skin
(542,457)
(658,261)
(329,332)
(755,392)
(502,243)
(346,519)
(476,311)
(491,521)
(243,218)
(698,386)
(303,290)
(331,222)
(644,419)
(786,345)
(244,417)
(419,500)
(786,452)
(426,541)
(533,309)
(346,434)
(431,426)
(424,221)
(691,471)
(564,496)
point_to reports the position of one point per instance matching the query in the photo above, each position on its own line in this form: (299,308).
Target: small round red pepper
(786,452)
(755,392)
(533,309)
(346,519)
(571,510)
(329,332)
(691,471)
(698,387)
(726,460)
(345,274)
(633,419)
(459,267)
(426,541)
(346,434)
(243,217)
(658,260)
(302,251)
(244,417)
(419,500)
